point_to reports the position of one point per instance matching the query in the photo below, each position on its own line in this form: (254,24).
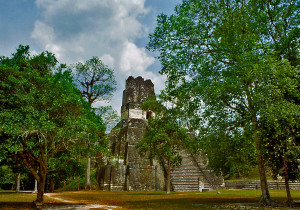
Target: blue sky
(76,30)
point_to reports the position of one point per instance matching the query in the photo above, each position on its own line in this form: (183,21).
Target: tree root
(268,202)
(38,205)
(273,203)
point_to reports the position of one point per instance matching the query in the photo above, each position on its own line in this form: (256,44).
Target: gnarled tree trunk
(41,189)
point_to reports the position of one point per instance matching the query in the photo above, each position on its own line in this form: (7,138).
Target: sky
(76,30)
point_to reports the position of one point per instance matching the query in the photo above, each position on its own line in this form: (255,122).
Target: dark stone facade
(136,92)
(129,170)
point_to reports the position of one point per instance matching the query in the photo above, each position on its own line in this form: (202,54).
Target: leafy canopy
(232,70)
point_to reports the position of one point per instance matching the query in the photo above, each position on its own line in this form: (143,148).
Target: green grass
(13,197)
(155,200)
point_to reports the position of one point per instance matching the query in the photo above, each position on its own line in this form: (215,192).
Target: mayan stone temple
(128,170)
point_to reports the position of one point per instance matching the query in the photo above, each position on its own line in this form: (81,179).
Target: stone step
(189,178)
(189,183)
(187,169)
(185,187)
(186,190)
(187,173)
(186,177)
(185,183)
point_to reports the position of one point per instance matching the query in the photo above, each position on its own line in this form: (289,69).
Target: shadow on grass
(206,203)
(16,205)
(188,203)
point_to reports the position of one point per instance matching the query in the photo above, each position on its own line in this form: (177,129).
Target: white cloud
(134,60)
(43,33)
(108,60)
(77,30)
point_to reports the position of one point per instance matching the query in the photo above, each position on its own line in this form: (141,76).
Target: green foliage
(233,156)
(72,184)
(43,116)
(95,80)
(231,67)
(7,176)
(164,138)
(109,116)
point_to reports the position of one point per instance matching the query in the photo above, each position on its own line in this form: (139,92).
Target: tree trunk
(88,173)
(265,197)
(168,184)
(78,184)
(286,180)
(18,182)
(35,186)
(51,184)
(41,188)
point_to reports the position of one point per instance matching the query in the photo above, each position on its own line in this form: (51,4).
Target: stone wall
(255,184)
(113,178)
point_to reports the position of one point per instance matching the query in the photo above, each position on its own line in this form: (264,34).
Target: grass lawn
(154,200)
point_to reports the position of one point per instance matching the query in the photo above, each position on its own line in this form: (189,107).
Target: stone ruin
(128,170)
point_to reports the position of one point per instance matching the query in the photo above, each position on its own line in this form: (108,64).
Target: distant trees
(42,114)
(233,66)
(96,82)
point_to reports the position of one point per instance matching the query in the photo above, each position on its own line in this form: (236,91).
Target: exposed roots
(38,205)
(263,201)
(273,203)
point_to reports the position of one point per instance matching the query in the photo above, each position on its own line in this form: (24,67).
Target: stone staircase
(186,177)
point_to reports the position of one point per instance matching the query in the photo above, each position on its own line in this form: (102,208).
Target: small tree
(282,152)
(164,138)
(96,82)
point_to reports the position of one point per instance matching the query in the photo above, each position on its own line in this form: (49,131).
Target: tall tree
(164,138)
(96,82)
(226,59)
(40,112)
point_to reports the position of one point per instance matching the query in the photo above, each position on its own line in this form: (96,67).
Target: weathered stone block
(112,178)
(137,123)
(118,178)
(135,135)
(142,179)
(135,159)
